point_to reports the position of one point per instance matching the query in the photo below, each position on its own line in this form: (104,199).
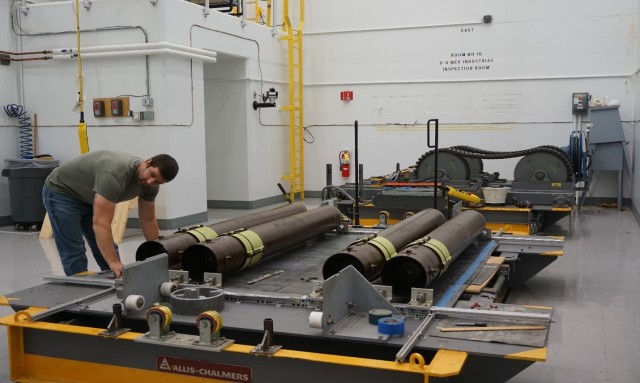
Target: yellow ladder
(296,104)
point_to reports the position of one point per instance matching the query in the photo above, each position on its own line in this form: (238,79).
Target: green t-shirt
(108,173)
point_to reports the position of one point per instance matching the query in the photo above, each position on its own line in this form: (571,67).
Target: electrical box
(98,108)
(142,115)
(116,107)
(580,103)
(111,107)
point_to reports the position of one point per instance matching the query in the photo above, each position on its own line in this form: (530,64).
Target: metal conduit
(423,261)
(175,244)
(236,251)
(369,254)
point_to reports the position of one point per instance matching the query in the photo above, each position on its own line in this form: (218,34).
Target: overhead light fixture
(268,99)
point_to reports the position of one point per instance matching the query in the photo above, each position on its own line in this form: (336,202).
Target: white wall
(398,63)
(9,77)
(397,60)
(246,154)
(226,133)
(177,86)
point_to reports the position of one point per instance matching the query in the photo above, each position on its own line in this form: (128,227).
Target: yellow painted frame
(34,368)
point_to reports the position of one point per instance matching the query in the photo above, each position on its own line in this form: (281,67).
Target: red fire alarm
(346,95)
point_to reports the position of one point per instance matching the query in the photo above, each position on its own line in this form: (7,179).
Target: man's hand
(117,268)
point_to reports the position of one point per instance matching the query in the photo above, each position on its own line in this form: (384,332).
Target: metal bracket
(115,329)
(86,4)
(211,339)
(383,218)
(316,289)
(179,276)
(213,279)
(385,291)
(266,347)
(24,8)
(421,297)
(156,329)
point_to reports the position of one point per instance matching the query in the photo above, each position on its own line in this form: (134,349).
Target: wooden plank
(45,230)
(491,328)
(493,264)
(118,224)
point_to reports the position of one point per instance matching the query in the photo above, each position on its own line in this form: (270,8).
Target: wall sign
(466,61)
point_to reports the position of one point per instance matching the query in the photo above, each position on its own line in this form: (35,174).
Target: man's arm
(148,222)
(103,211)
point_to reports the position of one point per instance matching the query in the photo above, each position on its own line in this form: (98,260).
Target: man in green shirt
(81,195)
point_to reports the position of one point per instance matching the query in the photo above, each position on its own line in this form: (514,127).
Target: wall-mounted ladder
(296,103)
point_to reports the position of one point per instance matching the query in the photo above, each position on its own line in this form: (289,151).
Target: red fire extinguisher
(345,160)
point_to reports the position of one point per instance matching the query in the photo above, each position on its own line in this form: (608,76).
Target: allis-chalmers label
(204,369)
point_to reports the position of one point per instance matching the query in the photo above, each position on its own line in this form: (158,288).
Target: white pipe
(138,46)
(140,52)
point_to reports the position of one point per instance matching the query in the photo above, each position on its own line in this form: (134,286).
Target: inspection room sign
(204,369)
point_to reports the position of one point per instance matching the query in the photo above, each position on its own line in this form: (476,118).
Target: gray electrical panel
(580,103)
(606,138)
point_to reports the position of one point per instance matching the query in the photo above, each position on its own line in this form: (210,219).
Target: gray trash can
(26,179)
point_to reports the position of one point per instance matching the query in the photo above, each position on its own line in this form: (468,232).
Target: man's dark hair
(167,166)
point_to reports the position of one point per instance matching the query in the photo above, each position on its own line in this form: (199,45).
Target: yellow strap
(253,244)
(385,246)
(442,252)
(204,233)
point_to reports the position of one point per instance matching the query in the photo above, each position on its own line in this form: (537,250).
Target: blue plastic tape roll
(393,325)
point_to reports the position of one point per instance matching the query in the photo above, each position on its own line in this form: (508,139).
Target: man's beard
(140,181)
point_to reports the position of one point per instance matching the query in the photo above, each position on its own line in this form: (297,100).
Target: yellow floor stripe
(537,355)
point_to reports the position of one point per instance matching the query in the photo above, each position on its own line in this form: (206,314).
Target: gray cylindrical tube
(236,251)
(175,244)
(368,255)
(423,261)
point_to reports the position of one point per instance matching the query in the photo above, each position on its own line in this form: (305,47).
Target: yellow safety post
(83,137)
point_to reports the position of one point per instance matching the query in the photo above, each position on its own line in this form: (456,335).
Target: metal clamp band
(363,240)
(253,244)
(442,251)
(204,233)
(385,246)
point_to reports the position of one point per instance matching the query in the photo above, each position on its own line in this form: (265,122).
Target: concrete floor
(594,289)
